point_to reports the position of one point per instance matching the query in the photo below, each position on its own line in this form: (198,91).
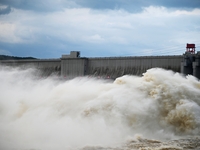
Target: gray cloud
(112,4)
(41,6)
(6,10)
(99,33)
(128,5)
(98,28)
(180,3)
(137,5)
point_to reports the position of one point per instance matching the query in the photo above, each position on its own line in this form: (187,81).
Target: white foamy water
(86,113)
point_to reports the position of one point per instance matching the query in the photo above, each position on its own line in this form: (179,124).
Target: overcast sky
(98,28)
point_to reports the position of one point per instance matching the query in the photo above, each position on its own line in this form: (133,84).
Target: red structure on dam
(190,48)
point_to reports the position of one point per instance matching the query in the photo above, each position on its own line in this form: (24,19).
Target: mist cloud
(49,114)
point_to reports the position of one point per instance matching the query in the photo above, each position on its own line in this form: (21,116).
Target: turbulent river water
(157,111)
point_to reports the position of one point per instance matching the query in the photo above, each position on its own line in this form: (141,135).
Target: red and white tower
(190,48)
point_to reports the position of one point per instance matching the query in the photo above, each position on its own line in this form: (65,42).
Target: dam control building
(73,65)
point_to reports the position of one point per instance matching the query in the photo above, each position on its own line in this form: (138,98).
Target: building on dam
(73,65)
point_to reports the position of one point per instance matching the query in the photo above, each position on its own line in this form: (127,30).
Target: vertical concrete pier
(191,61)
(72,65)
(196,65)
(187,63)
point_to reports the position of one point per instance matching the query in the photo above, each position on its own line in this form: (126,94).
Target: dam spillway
(72,65)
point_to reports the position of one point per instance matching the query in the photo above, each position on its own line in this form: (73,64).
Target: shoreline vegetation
(6,57)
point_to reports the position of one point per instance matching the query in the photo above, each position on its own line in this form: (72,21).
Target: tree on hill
(5,57)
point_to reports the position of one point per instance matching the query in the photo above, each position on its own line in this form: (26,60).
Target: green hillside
(5,57)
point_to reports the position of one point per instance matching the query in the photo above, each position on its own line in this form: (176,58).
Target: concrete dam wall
(118,66)
(45,67)
(73,65)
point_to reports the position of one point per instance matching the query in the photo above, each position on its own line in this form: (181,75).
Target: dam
(73,65)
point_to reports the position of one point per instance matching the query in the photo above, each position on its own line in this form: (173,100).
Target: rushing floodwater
(158,111)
